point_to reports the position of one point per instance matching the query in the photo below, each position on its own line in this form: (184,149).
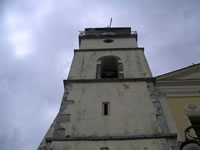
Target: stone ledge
(109,49)
(113,138)
(108,80)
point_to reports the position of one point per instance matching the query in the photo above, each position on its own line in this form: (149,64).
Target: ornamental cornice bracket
(192,109)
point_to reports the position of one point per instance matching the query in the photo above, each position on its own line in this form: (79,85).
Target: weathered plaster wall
(113,145)
(117,43)
(131,110)
(134,63)
(132,113)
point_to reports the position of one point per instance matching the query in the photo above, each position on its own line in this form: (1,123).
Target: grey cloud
(7,142)
(32,88)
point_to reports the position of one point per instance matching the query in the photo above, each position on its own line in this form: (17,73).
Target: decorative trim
(109,49)
(192,109)
(108,36)
(114,138)
(169,94)
(109,80)
(180,91)
(178,72)
(178,82)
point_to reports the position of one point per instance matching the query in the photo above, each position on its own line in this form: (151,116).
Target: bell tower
(109,102)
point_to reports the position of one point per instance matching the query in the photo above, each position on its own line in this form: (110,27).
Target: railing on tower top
(98,33)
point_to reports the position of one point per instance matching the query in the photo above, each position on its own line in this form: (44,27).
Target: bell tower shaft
(109,100)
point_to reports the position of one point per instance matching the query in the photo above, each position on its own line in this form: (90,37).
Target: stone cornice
(108,36)
(113,138)
(179,88)
(109,49)
(109,80)
(179,72)
(178,82)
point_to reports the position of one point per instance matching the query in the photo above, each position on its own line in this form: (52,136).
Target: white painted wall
(113,145)
(131,110)
(117,43)
(134,64)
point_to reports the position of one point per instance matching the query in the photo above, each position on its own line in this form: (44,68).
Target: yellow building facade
(182,97)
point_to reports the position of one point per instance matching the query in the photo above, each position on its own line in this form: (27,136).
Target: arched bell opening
(109,67)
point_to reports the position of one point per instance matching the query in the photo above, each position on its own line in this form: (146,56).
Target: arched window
(109,67)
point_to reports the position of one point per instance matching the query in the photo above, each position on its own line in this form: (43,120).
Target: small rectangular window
(104,148)
(106,108)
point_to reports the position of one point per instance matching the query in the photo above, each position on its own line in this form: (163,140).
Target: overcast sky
(37,39)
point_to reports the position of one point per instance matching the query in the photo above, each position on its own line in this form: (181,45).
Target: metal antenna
(110,22)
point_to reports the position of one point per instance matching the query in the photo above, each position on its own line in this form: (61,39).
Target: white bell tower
(109,101)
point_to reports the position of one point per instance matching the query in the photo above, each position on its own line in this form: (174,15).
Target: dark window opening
(106,108)
(109,68)
(195,120)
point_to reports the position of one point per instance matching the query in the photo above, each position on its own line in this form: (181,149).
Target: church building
(182,96)
(110,99)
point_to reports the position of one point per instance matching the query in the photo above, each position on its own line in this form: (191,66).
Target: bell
(190,145)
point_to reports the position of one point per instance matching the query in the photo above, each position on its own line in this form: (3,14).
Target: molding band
(114,138)
(109,80)
(109,49)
